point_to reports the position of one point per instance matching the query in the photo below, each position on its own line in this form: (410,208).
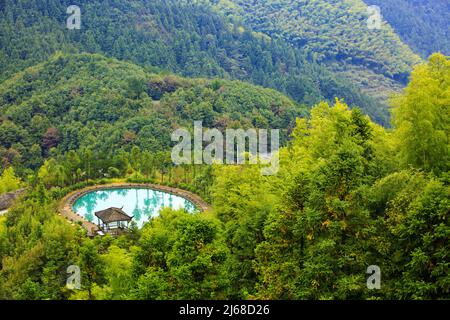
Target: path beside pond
(66,204)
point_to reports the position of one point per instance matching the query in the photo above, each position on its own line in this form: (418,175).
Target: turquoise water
(142,204)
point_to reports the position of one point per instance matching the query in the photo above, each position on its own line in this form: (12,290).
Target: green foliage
(178,36)
(349,193)
(35,250)
(118,263)
(338,205)
(91,266)
(412,244)
(422,117)
(334,33)
(181,256)
(422,24)
(242,200)
(316,239)
(8,181)
(82,103)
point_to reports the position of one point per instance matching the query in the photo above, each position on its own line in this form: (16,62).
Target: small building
(113,221)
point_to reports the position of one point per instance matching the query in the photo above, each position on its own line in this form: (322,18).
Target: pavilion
(113,221)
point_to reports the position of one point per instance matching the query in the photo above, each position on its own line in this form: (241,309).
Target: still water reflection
(142,204)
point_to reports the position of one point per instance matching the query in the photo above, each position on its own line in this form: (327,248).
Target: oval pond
(142,204)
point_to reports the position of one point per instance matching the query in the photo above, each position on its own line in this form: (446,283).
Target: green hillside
(422,24)
(351,209)
(183,38)
(349,194)
(333,33)
(80,101)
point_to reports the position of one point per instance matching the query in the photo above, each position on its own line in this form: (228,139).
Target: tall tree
(421,117)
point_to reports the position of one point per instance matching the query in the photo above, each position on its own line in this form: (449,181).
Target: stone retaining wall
(66,204)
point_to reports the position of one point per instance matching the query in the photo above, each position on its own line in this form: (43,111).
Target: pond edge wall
(65,207)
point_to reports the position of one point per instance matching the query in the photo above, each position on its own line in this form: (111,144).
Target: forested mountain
(96,106)
(334,33)
(74,102)
(422,24)
(349,194)
(177,36)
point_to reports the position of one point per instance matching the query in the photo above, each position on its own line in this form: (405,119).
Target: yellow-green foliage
(2,226)
(9,181)
(339,203)
(422,117)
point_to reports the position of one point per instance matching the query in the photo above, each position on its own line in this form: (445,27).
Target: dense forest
(184,38)
(334,33)
(349,194)
(359,184)
(100,105)
(422,24)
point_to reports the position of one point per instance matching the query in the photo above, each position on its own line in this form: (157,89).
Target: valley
(138,147)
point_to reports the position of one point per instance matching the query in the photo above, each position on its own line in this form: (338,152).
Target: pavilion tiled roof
(112,215)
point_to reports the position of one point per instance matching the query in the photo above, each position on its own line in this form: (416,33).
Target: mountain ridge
(333,33)
(78,101)
(189,40)
(422,24)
